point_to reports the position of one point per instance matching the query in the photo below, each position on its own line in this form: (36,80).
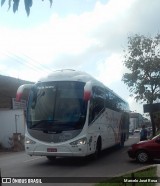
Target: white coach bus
(70,113)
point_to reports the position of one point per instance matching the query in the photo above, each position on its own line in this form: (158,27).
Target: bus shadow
(82,161)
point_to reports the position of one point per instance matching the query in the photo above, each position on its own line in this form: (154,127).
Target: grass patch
(146,177)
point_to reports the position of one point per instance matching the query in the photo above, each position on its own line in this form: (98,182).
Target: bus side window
(96,103)
(107,101)
(114,103)
(111,101)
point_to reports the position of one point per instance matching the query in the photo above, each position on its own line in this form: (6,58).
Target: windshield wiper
(52,131)
(48,126)
(40,123)
(57,128)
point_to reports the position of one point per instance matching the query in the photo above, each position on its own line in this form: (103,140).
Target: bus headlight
(29,141)
(81,141)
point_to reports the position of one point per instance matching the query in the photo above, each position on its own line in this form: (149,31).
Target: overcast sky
(86,35)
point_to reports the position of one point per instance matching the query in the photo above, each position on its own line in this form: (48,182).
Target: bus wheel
(121,145)
(98,149)
(51,158)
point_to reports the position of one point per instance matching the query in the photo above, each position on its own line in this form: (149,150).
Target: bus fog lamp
(82,141)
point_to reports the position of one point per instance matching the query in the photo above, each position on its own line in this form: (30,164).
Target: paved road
(111,163)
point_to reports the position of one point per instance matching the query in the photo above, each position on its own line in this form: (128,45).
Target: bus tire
(121,143)
(122,140)
(98,149)
(51,158)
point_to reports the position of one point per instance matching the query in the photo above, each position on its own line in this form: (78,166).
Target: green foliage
(27,4)
(142,58)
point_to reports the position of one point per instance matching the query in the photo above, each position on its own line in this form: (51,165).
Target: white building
(12,116)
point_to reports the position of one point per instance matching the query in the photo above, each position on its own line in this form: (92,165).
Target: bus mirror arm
(21,90)
(87,91)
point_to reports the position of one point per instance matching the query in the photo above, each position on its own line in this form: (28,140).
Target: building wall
(133,123)
(137,118)
(9,86)
(11,121)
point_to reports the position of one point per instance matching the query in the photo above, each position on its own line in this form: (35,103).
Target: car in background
(131,131)
(145,151)
(137,131)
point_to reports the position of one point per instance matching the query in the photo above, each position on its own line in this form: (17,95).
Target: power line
(40,65)
(34,66)
(25,63)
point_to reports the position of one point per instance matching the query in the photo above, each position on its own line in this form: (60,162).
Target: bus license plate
(51,150)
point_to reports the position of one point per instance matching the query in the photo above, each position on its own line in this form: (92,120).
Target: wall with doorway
(11,121)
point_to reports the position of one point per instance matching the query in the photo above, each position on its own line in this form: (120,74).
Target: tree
(142,58)
(27,3)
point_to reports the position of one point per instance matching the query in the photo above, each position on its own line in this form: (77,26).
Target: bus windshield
(56,106)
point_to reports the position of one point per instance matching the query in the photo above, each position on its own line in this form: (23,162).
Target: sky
(85,35)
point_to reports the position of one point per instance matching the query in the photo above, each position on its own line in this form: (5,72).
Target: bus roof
(68,75)
(74,75)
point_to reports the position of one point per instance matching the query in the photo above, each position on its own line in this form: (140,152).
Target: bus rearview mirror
(87,91)
(21,89)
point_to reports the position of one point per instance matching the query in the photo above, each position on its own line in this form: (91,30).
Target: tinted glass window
(96,103)
(57,103)
(113,102)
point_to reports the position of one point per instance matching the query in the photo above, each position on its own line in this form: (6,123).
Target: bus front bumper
(60,151)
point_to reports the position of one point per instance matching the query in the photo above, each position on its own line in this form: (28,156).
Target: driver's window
(96,103)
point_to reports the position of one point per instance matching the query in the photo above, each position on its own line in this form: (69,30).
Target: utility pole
(16,125)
